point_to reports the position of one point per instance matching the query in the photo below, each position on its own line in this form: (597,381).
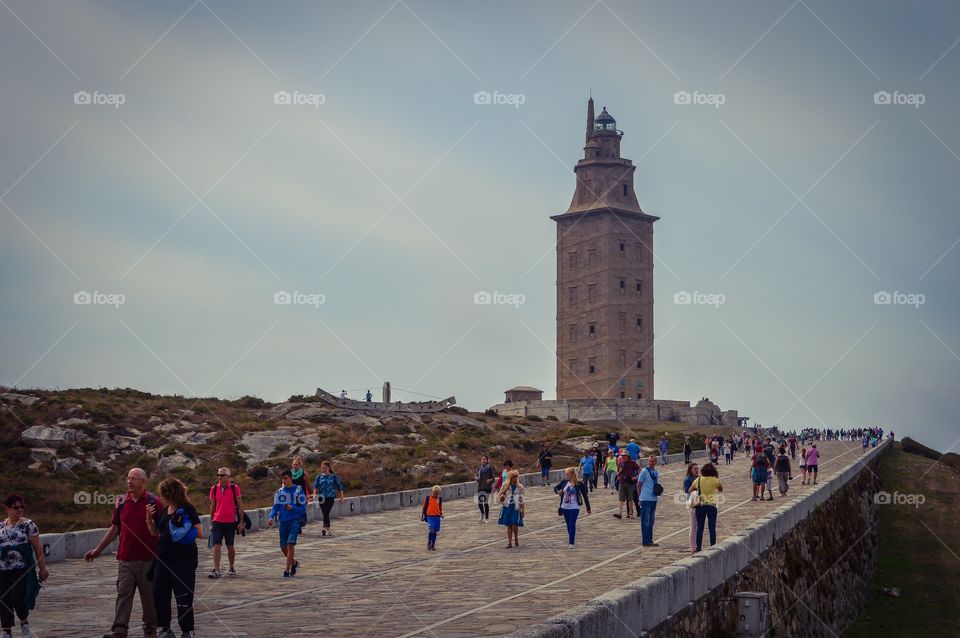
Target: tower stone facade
(604,276)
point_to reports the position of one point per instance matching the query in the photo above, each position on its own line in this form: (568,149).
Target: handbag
(694,500)
(657,488)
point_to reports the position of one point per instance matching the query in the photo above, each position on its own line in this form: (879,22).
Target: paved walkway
(377,579)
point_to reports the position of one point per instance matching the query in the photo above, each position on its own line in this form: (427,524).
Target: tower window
(573,333)
(592,365)
(623,395)
(592,329)
(596,153)
(591,257)
(625,190)
(640,324)
(623,285)
(623,246)
(639,395)
(640,361)
(573,259)
(622,319)
(592,293)
(623,359)
(573,295)
(573,366)
(640,286)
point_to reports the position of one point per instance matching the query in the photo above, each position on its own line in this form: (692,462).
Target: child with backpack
(289,505)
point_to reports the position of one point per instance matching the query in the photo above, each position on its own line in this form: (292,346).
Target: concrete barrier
(78,543)
(679,576)
(54,547)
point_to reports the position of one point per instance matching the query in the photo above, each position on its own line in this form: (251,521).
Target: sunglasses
(17,507)
(221,475)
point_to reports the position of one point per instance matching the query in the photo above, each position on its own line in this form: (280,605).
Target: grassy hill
(919,547)
(84,440)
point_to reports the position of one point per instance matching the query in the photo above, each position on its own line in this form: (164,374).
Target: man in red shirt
(138,548)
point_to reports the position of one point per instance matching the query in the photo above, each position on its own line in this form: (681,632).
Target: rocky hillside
(68,451)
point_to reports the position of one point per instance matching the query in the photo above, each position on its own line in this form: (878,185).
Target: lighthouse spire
(589,119)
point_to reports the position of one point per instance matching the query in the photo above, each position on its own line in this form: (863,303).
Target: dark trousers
(588,480)
(570,516)
(13,586)
(178,578)
(706,514)
(326,504)
(483,503)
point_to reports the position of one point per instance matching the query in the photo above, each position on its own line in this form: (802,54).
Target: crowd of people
(157,556)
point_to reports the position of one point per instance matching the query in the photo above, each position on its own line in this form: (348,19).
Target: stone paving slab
(375,578)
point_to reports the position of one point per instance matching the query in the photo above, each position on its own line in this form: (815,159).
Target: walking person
(758,474)
(708,486)
(226,519)
(432,514)
(587,465)
(803,466)
(664,446)
(573,496)
(300,479)
(325,488)
(728,452)
(813,462)
(648,484)
(504,475)
(687,450)
(485,479)
(137,550)
(693,472)
(782,468)
(513,507)
(610,475)
(627,476)
(22,568)
(598,467)
(289,505)
(175,570)
(544,462)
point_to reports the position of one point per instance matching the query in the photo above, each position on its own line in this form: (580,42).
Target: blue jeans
(648,515)
(570,516)
(706,514)
(588,480)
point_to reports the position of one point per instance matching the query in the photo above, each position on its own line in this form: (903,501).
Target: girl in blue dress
(511,513)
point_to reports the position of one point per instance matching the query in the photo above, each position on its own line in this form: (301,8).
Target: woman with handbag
(175,568)
(513,508)
(573,496)
(707,487)
(693,473)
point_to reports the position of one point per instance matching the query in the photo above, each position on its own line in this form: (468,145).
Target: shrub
(575,421)
(457,410)
(248,401)
(490,412)
(534,418)
(552,418)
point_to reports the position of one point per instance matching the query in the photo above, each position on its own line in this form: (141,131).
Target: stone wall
(705,413)
(815,557)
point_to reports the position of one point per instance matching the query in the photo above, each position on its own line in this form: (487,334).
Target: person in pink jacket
(813,460)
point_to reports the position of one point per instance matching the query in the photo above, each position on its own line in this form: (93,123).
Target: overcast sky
(803,158)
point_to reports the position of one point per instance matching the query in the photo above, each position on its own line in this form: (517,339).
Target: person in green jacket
(21,557)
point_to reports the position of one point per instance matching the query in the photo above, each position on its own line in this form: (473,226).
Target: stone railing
(786,554)
(58,547)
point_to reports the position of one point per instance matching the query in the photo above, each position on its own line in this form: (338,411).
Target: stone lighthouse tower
(604,276)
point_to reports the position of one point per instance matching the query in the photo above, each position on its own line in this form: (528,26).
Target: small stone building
(523,393)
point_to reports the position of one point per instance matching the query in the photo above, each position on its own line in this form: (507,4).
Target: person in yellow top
(610,471)
(709,488)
